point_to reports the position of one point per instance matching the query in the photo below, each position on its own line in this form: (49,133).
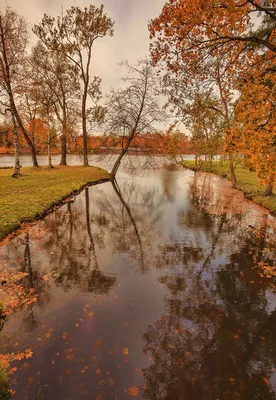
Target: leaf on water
(47,277)
(132,391)
(99,397)
(65,335)
(266,381)
(97,344)
(98,371)
(28,353)
(125,350)
(84,369)
(68,372)
(49,333)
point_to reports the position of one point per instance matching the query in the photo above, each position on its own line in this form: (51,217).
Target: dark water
(158,290)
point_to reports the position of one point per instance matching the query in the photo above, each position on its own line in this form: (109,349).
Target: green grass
(37,190)
(247,181)
(4,384)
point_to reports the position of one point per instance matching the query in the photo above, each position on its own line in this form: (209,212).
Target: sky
(130,41)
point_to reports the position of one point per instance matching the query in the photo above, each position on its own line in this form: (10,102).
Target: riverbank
(247,181)
(38,190)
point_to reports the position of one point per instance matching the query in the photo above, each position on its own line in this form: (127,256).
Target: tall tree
(13,42)
(74,34)
(135,109)
(54,70)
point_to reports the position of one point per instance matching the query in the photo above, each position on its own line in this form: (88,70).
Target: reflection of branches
(88,227)
(211,338)
(119,194)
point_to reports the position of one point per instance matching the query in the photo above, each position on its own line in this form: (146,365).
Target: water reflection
(156,283)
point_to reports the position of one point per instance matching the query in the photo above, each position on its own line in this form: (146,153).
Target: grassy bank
(247,181)
(37,190)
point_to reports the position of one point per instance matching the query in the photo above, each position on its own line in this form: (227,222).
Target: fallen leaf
(125,350)
(132,390)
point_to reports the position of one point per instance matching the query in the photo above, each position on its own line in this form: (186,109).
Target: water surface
(157,290)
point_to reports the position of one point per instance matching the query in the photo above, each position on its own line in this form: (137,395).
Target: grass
(247,181)
(4,384)
(37,190)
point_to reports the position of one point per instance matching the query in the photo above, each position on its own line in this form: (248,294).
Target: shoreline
(255,195)
(27,218)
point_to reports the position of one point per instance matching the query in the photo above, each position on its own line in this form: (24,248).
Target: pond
(7,160)
(158,287)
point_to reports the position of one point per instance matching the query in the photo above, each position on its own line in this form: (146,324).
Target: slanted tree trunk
(16,172)
(26,137)
(268,190)
(63,150)
(7,78)
(117,163)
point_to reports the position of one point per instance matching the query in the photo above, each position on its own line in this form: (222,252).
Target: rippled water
(158,291)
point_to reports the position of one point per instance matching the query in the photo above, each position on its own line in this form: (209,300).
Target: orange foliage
(13,296)
(254,132)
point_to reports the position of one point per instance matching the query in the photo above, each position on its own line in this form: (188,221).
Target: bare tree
(135,109)
(13,42)
(74,34)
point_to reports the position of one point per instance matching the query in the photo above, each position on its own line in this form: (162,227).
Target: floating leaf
(132,390)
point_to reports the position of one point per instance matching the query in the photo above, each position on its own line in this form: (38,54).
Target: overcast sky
(130,40)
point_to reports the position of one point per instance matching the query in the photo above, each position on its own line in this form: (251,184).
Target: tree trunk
(63,150)
(232,171)
(117,163)
(268,190)
(84,131)
(16,172)
(26,137)
(49,155)
(196,160)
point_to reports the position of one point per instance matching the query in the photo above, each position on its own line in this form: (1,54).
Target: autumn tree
(13,43)
(135,109)
(211,42)
(205,120)
(73,34)
(253,133)
(201,28)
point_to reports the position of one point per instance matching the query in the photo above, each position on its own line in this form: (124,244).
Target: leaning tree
(134,109)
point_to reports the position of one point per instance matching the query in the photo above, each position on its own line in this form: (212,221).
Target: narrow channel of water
(158,290)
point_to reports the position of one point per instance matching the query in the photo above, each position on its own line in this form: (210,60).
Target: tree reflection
(216,339)
(74,255)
